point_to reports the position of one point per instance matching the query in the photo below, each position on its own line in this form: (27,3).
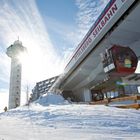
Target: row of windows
(43,86)
(46,82)
(49,83)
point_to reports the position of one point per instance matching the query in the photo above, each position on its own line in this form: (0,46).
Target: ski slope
(52,118)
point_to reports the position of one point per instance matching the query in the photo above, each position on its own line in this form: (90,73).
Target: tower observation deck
(14,51)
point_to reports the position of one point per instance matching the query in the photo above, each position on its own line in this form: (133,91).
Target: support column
(86,95)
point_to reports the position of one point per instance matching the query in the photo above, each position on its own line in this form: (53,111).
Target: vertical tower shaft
(14,52)
(15,83)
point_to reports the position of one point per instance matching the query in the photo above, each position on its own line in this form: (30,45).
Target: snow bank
(51,98)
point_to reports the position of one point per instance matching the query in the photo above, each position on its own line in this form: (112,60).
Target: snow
(51,98)
(51,117)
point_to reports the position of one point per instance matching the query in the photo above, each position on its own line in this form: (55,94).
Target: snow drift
(51,98)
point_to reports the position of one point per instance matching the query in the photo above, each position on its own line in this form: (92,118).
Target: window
(127,61)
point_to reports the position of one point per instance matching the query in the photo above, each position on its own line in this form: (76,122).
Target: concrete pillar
(86,95)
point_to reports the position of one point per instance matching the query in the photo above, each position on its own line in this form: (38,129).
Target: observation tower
(14,51)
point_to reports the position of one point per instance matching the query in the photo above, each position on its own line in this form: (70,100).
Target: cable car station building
(104,64)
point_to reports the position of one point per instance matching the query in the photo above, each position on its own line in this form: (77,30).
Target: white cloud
(89,10)
(68,34)
(66,31)
(22,18)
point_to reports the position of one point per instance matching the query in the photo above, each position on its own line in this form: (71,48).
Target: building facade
(42,87)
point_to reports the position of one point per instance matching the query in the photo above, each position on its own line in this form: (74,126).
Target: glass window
(127,61)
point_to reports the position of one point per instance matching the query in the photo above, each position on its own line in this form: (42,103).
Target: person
(5,109)
(127,61)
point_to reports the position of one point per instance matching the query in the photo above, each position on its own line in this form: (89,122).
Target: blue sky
(61,10)
(50,29)
(59,17)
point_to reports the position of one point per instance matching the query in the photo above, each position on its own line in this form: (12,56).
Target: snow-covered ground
(52,118)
